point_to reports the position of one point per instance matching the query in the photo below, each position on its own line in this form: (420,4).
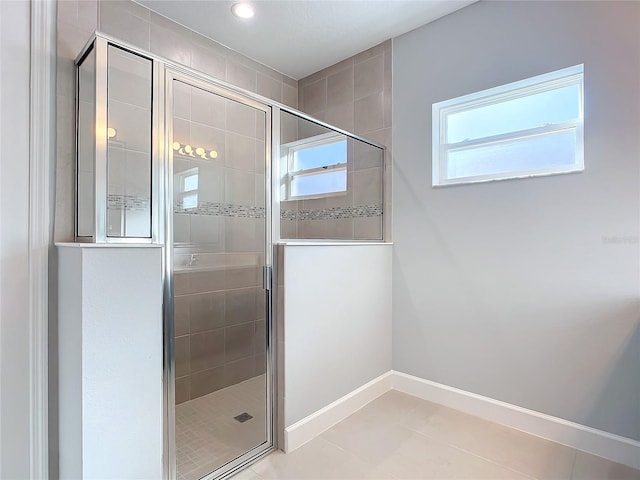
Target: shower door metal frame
(173,74)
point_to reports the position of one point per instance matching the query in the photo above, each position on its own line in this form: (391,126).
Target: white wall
(337,323)
(111,362)
(526,290)
(14,221)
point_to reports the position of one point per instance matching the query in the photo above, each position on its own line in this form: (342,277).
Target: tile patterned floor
(207,436)
(399,436)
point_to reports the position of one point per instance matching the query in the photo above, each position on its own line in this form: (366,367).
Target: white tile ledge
(330,244)
(107,245)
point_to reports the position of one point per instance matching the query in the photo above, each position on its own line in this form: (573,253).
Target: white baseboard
(310,427)
(608,445)
(613,447)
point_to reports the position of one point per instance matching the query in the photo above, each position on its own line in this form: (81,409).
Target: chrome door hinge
(266,277)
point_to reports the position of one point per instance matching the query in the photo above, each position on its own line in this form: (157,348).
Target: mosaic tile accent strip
(333,213)
(222,210)
(289,214)
(127,202)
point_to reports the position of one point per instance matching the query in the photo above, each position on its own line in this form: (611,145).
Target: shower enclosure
(217,175)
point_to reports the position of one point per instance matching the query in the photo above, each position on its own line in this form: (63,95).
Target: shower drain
(243,417)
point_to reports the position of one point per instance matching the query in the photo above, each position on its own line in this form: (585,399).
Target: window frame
(542,83)
(182,193)
(310,142)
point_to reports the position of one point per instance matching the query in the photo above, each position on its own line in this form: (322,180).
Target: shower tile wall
(135,24)
(219,300)
(355,95)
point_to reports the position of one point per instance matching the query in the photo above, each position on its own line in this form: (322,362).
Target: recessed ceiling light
(243,10)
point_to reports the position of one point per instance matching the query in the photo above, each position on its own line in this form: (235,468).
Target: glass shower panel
(85,215)
(340,199)
(219,228)
(128,144)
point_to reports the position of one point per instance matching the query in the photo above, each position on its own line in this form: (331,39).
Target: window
(316,167)
(188,193)
(526,128)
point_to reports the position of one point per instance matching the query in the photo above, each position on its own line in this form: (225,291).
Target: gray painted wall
(523,290)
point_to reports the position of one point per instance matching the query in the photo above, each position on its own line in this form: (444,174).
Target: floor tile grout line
(441,442)
(573,465)
(475,454)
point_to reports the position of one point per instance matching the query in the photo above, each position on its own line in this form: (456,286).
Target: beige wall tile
(290,96)
(387,106)
(340,88)
(261,336)
(207,61)
(206,281)
(129,8)
(260,190)
(291,82)
(367,228)
(206,311)
(341,116)
(241,118)
(368,77)
(241,76)
(260,156)
(239,187)
(183,357)
(207,108)
(367,156)
(87,15)
(207,350)
(368,113)
(339,228)
(183,389)
(169,44)
(312,229)
(240,306)
(371,52)
(314,96)
(181,316)
(314,77)
(388,69)
(127,21)
(242,276)
(367,186)
(209,138)
(239,371)
(207,381)
(288,229)
(269,87)
(239,341)
(68,11)
(244,234)
(240,152)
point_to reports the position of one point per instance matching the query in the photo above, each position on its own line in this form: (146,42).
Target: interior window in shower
(317,167)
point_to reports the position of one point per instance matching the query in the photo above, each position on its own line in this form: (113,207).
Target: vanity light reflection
(189,151)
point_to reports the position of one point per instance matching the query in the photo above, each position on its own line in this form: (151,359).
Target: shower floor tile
(208,436)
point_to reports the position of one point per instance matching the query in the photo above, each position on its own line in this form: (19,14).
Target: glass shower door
(222,404)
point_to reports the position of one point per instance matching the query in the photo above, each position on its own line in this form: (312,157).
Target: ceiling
(300,37)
